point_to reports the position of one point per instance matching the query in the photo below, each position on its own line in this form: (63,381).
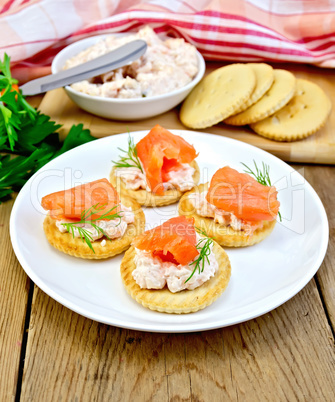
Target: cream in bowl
(152,84)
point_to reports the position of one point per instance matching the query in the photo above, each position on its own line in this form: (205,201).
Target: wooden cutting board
(319,148)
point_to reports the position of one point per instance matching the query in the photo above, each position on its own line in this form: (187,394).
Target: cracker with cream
(173,269)
(157,170)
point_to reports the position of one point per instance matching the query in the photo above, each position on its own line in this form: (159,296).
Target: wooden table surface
(48,352)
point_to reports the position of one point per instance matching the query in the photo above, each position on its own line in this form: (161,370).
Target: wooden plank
(268,358)
(287,354)
(323,179)
(14,288)
(318,148)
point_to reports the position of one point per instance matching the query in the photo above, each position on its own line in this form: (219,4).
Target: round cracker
(78,248)
(218,96)
(222,234)
(306,113)
(280,93)
(264,79)
(186,301)
(147,198)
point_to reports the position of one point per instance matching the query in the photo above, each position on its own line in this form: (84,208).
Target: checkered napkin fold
(33,31)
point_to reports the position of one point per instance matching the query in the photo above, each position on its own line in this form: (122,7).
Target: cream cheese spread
(208,210)
(165,66)
(152,273)
(182,179)
(134,179)
(114,228)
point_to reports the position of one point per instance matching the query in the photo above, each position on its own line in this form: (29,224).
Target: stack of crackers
(271,101)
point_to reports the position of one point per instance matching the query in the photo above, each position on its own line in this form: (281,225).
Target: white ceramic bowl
(122,109)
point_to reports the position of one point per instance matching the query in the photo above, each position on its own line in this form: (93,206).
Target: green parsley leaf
(15,171)
(76,136)
(29,134)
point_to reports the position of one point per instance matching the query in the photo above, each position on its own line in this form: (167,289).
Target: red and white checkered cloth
(302,31)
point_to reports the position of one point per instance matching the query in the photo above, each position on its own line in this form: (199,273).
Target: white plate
(263,276)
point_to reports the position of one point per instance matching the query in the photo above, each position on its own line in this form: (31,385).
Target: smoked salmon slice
(173,241)
(161,152)
(242,195)
(69,204)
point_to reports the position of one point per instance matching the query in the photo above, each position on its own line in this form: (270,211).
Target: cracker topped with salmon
(157,170)
(174,269)
(234,209)
(91,221)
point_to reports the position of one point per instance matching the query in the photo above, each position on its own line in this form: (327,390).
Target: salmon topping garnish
(242,195)
(70,204)
(173,241)
(161,152)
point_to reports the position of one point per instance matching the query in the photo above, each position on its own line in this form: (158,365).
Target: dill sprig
(204,248)
(130,159)
(85,234)
(262,176)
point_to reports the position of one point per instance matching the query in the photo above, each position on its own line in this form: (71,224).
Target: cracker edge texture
(193,117)
(77,248)
(258,92)
(184,302)
(259,128)
(244,117)
(223,235)
(148,199)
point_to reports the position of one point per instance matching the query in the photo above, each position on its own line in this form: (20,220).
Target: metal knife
(100,65)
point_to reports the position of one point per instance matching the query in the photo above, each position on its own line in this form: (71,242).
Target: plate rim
(173,327)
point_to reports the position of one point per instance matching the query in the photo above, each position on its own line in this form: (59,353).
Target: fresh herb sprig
(261,175)
(86,217)
(30,136)
(130,159)
(16,171)
(204,247)
(14,109)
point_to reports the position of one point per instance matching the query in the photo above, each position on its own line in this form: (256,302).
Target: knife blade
(110,61)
